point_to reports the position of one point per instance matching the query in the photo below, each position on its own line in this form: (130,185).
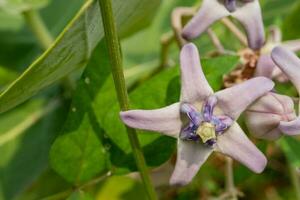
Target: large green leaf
(19,47)
(121,187)
(78,154)
(80,195)
(24,145)
(73,47)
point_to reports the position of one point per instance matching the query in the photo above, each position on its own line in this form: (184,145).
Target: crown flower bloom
(204,121)
(248,12)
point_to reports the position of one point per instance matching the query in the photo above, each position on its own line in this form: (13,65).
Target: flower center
(204,126)
(207,131)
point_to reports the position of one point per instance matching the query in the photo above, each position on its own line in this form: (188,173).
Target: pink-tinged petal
(291,127)
(210,11)
(194,85)
(265,66)
(289,63)
(233,101)
(165,120)
(250,16)
(190,157)
(292,45)
(264,116)
(235,143)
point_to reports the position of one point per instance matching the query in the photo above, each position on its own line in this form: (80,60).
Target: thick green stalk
(119,80)
(38,27)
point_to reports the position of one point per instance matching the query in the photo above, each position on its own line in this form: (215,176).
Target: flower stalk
(119,80)
(231,190)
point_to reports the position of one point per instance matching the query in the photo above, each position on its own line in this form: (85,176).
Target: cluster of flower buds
(203,121)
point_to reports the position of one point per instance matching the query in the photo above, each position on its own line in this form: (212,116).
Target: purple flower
(265,65)
(204,121)
(248,12)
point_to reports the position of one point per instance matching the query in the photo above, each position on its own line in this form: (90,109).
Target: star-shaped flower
(265,65)
(204,121)
(248,12)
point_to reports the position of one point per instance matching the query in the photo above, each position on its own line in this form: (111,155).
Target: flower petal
(234,143)
(230,5)
(292,45)
(289,63)
(204,18)
(250,16)
(194,85)
(233,101)
(290,128)
(165,120)
(190,157)
(265,66)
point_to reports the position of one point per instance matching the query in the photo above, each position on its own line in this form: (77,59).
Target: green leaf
(291,24)
(6,76)
(121,187)
(10,21)
(78,154)
(80,195)
(73,48)
(215,68)
(25,140)
(18,48)
(291,148)
(18,6)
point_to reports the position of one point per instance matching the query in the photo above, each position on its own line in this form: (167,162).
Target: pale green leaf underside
(72,49)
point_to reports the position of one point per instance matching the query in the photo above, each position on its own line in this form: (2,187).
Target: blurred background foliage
(64,144)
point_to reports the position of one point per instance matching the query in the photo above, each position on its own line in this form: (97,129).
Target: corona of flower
(204,121)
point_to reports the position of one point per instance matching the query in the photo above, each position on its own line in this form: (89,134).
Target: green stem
(37,26)
(295,181)
(119,80)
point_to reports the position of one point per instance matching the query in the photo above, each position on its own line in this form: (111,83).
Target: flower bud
(264,116)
